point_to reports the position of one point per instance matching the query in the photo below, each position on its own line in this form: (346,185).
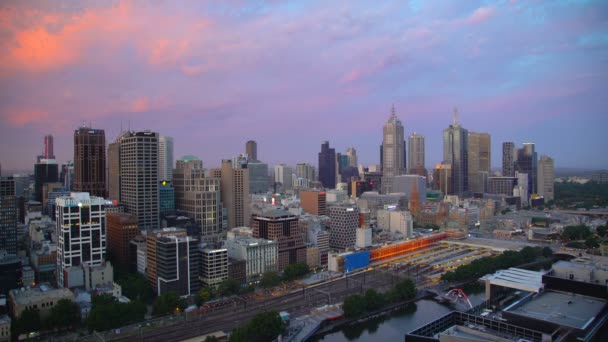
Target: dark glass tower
(455,153)
(527,162)
(327,166)
(90,161)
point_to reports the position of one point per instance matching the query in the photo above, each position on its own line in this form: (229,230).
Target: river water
(395,326)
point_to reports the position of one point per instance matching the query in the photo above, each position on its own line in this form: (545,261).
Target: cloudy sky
(291,74)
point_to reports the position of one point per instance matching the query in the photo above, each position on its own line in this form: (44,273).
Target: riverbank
(331,326)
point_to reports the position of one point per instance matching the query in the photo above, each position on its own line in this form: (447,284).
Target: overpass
(598,213)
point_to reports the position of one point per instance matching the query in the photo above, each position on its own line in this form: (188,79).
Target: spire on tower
(455,116)
(393,110)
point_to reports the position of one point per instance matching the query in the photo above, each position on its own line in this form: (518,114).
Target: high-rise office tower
(416,162)
(527,162)
(283,227)
(177,265)
(479,161)
(306,172)
(251,148)
(258,176)
(283,176)
(509,155)
(343,226)
(235,193)
(90,161)
(139,177)
(48,147)
(351,153)
(546,178)
(114,169)
(327,166)
(47,171)
(165,158)
(393,151)
(455,152)
(8,215)
(81,235)
(121,229)
(200,197)
(166,197)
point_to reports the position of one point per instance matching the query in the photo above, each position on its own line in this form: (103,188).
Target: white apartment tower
(165,158)
(81,233)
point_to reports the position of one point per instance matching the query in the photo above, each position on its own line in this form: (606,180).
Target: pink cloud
(480,15)
(23,117)
(140,105)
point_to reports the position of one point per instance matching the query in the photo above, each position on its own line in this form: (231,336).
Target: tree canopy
(295,271)
(265,326)
(168,303)
(107,313)
(270,279)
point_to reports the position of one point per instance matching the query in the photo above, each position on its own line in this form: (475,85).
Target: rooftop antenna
(455,116)
(393,110)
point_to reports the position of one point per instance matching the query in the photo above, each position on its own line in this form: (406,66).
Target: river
(395,326)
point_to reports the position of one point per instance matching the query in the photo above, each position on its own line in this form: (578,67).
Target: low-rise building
(214,266)
(5,328)
(41,298)
(260,255)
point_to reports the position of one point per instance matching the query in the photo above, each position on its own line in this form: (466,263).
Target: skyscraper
(479,160)
(90,161)
(283,176)
(327,166)
(47,171)
(508,159)
(165,158)
(200,198)
(455,153)
(81,235)
(114,169)
(343,226)
(251,148)
(139,177)
(416,162)
(546,178)
(393,151)
(351,153)
(121,229)
(48,147)
(235,193)
(8,215)
(527,162)
(305,173)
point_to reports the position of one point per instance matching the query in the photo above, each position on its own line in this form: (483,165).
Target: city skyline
(332,71)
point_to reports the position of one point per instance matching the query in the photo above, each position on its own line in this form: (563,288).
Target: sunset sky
(291,74)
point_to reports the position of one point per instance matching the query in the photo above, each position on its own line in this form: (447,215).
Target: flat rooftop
(493,244)
(566,309)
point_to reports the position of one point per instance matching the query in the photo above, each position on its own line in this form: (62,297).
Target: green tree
(373,300)
(270,279)
(547,252)
(64,315)
(601,230)
(354,305)
(107,313)
(29,321)
(204,295)
(580,232)
(294,271)
(228,287)
(168,303)
(265,326)
(592,242)
(136,287)
(211,338)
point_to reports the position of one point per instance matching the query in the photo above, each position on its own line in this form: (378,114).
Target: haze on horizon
(290,74)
